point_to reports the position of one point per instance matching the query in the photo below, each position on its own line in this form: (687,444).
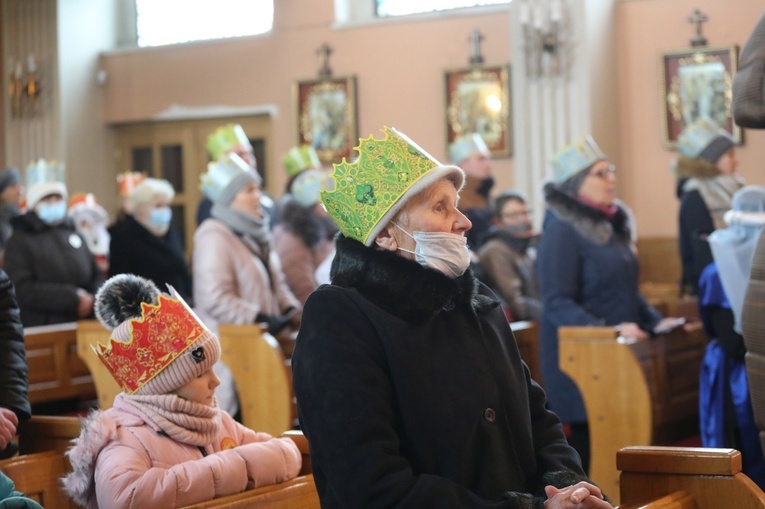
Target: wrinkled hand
(8,423)
(85,302)
(275,323)
(579,496)
(631,330)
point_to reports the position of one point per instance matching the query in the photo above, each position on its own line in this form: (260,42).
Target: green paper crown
(368,190)
(225,138)
(299,159)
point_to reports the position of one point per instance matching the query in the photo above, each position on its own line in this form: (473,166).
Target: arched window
(161,22)
(403,7)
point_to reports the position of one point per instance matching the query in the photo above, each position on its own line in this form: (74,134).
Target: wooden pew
(89,333)
(628,392)
(669,477)
(262,377)
(37,476)
(527,336)
(55,371)
(48,433)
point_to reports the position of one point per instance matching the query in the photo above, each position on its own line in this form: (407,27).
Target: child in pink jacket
(165,442)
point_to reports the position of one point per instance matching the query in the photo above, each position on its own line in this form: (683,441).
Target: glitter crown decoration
(299,159)
(128,181)
(225,138)
(220,173)
(45,172)
(575,158)
(162,333)
(698,135)
(366,189)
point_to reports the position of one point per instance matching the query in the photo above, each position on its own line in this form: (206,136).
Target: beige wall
(647,28)
(400,67)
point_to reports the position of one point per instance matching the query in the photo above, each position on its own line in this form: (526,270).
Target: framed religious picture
(326,116)
(698,83)
(478,101)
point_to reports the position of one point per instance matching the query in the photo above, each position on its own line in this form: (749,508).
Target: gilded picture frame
(478,100)
(698,82)
(326,118)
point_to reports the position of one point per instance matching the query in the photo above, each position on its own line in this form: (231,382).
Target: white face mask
(445,252)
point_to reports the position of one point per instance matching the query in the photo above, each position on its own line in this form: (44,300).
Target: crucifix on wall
(698,18)
(324,52)
(476,37)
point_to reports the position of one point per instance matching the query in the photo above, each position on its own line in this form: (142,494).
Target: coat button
(489,415)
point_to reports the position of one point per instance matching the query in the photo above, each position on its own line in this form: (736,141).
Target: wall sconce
(24,90)
(542,23)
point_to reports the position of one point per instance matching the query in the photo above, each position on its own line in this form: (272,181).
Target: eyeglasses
(517,215)
(604,172)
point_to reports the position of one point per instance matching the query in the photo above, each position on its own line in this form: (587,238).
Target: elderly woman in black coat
(409,384)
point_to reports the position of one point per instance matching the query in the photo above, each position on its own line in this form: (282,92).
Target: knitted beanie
(157,344)
(9,177)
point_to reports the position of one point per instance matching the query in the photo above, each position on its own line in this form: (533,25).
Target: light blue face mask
(160,217)
(51,213)
(445,252)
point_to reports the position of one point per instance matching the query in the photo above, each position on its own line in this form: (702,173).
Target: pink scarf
(608,210)
(182,420)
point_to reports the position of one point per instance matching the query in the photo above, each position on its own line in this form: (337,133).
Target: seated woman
(303,233)
(165,442)
(144,243)
(238,278)
(588,271)
(48,261)
(725,406)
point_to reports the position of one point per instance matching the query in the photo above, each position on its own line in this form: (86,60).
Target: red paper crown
(163,333)
(128,181)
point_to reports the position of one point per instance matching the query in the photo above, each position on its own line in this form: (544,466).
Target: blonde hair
(147,190)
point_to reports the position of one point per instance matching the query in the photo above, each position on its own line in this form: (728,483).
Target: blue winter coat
(588,275)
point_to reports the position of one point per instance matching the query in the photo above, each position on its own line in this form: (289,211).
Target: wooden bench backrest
(262,378)
(48,433)
(712,478)
(55,371)
(37,476)
(527,336)
(299,493)
(630,397)
(89,333)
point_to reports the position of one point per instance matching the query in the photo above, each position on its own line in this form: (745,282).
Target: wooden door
(177,151)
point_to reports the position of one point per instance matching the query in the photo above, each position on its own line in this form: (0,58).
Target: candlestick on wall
(543,23)
(23,90)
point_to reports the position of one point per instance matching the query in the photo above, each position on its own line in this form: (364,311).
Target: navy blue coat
(412,393)
(588,275)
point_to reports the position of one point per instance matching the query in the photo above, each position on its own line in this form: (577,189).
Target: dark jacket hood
(588,221)
(401,286)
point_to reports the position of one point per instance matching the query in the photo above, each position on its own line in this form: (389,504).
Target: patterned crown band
(366,190)
(160,336)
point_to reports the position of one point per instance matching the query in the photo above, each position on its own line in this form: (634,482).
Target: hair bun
(120,298)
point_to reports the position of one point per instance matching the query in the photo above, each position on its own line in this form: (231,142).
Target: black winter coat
(47,264)
(135,250)
(13,361)
(412,393)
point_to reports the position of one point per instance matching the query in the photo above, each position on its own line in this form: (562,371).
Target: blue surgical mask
(445,252)
(51,213)
(160,217)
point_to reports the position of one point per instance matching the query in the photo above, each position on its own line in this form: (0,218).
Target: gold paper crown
(369,191)
(225,138)
(162,333)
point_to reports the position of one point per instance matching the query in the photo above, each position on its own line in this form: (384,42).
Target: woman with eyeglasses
(587,270)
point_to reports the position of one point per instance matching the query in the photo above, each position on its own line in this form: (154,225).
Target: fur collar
(400,286)
(686,167)
(590,222)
